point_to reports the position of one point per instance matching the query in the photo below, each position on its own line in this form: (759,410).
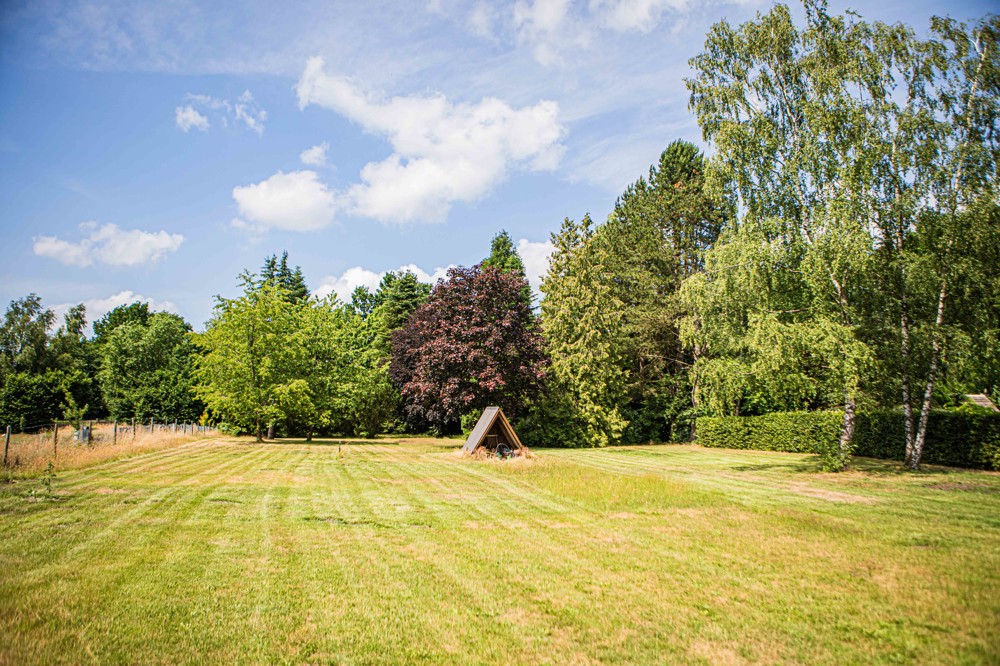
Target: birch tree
(775,103)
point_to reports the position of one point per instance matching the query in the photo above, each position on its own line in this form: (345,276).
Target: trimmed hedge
(954,438)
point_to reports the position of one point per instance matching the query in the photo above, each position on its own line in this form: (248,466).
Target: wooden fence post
(55,441)
(114,437)
(133,428)
(6,445)
(90,433)
(151,422)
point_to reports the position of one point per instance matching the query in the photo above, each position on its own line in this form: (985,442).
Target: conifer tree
(504,256)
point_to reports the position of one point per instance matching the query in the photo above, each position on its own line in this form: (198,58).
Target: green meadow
(400,551)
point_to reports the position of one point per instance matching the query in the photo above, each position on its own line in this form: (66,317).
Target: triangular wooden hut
(493,433)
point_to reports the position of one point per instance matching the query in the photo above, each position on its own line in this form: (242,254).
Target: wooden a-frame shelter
(493,432)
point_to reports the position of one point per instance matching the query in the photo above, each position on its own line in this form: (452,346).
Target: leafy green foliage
(137,313)
(956,438)
(24,336)
(587,387)
(504,257)
(654,239)
(31,400)
(398,295)
(252,355)
(147,369)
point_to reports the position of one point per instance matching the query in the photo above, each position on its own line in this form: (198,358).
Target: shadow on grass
(877,467)
(332,441)
(869,466)
(357,442)
(806,466)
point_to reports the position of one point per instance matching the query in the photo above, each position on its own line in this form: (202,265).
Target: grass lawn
(398,551)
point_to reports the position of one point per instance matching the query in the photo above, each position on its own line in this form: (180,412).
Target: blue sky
(155,149)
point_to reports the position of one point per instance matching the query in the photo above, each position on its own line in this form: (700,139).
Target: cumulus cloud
(243,110)
(295,201)
(343,285)
(109,244)
(187,117)
(98,307)
(443,152)
(315,156)
(535,256)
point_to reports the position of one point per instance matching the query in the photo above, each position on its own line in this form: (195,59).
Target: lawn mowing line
(160,541)
(159,500)
(458,557)
(273,504)
(73,566)
(306,504)
(79,481)
(82,479)
(604,459)
(736,488)
(192,454)
(554,546)
(347,542)
(376,553)
(467,592)
(138,461)
(528,495)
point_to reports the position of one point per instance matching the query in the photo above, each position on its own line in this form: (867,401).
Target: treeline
(404,358)
(839,250)
(138,364)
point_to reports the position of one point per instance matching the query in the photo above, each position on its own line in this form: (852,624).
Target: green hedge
(954,438)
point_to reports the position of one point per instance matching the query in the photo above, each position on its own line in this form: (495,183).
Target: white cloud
(108,244)
(549,28)
(540,16)
(535,256)
(187,117)
(443,152)
(344,284)
(315,156)
(482,19)
(634,15)
(247,111)
(98,307)
(243,110)
(295,201)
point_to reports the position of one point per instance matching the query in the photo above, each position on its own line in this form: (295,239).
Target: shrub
(957,438)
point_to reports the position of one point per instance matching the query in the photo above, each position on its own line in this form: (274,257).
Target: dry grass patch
(30,455)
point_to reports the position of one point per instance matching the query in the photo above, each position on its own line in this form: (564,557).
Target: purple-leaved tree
(474,343)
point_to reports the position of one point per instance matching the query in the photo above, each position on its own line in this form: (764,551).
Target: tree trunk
(694,395)
(309,435)
(925,409)
(847,431)
(270,431)
(904,355)
(259,438)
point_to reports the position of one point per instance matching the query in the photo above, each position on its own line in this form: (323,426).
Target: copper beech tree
(474,343)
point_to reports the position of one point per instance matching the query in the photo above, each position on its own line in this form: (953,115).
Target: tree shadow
(805,466)
(331,441)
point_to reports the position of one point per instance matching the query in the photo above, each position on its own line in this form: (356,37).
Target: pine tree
(504,256)
(276,272)
(584,334)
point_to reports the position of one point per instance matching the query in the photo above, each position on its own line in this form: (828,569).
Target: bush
(957,438)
